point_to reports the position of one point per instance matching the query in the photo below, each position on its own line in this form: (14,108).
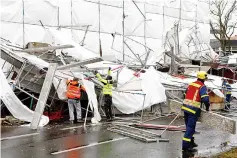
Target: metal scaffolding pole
(123,31)
(23,22)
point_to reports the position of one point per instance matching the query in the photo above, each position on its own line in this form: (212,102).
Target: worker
(107,92)
(227,90)
(73,95)
(195,96)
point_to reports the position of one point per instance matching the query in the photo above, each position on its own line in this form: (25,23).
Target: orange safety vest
(193,97)
(73,91)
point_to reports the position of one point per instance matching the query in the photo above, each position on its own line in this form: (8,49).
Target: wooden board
(81,63)
(43,96)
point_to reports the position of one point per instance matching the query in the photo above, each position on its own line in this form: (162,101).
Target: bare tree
(221,24)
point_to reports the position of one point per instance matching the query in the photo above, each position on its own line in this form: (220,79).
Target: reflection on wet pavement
(96,142)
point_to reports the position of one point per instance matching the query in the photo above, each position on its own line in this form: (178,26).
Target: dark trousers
(107,105)
(84,104)
(190,122)
(227,99)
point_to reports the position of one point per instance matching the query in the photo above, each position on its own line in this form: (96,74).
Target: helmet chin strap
(201,80)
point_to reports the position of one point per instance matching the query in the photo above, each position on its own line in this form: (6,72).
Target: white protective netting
(146,22)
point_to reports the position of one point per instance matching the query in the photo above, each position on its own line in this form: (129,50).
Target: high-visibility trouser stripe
(186,139)
(204,96)
(189,110)
(228,93)
(192,103)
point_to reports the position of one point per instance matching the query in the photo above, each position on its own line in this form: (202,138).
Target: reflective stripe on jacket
(73,91)
(108,85)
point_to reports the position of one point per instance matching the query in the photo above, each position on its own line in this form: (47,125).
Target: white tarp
(153,92)
(234,92)
(14,105)
(214,84)
(73,16)
(232,59)
(90,89)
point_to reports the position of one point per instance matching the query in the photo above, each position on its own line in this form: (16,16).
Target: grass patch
(230,154)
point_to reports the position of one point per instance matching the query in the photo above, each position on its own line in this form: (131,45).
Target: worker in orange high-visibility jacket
(195,95)
(73,95)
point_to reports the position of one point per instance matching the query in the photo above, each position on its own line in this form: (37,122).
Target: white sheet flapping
(14,105)
(89,86)
(152,91)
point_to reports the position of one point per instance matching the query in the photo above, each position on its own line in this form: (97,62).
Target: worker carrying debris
(195,96)
(73,95)
(107,92)
(227,91)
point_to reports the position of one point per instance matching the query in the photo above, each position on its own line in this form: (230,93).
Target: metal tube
(28,94)
(55,92)
(23,22)
(123,32)
(169,124)
(86,113)
(143,104)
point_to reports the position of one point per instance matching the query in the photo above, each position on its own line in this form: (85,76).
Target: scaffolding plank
(43,96)
(76,64)
(159,127)
(43,49)
(132,135)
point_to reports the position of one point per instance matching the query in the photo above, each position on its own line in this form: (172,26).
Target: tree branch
(229,13)
(214,31)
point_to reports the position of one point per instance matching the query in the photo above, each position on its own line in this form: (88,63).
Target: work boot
(71,122)
(188,154)
(109,119)
(80,121)
(193,144)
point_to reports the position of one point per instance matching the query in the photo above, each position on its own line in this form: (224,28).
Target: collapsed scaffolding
(140,60)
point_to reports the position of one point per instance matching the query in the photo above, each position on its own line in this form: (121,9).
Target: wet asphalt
(73,141)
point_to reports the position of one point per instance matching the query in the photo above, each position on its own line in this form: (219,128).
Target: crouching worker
(107,92)
(195,95)
(73,95)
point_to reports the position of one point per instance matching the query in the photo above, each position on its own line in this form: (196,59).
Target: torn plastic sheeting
(14,105)
(173,81)
(128,102)
(152,87)
(90,90)
(152,91)
(61,38)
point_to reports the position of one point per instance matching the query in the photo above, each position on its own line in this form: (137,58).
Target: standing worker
(195,95)
(73,95)
(227,91)
(107,92)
